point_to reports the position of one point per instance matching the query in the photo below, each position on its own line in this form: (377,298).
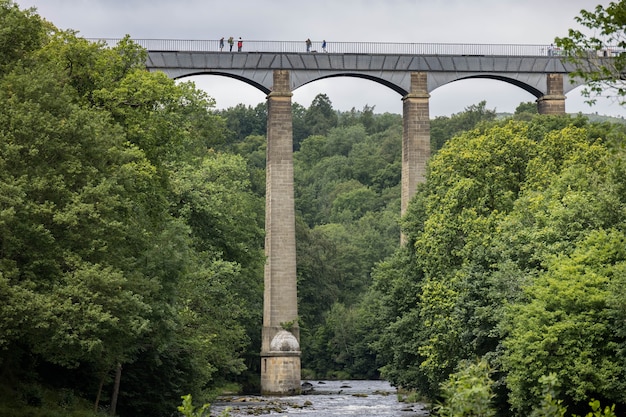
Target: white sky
(430,21)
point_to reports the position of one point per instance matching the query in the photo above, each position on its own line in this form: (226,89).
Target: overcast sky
(430,21)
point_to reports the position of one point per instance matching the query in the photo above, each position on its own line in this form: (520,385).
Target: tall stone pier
(280,348)
(415,137)
(553,102)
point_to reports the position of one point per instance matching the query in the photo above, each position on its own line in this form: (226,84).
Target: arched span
(398,89)
(246,80)
(528,88)
(535,84)
(393,71)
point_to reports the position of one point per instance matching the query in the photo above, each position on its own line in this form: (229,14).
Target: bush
(468,392)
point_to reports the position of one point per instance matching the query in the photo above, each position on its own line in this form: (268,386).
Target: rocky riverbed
(325,399)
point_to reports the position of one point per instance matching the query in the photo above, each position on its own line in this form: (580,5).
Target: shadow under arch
(362,76)
(237,77)
(517,83)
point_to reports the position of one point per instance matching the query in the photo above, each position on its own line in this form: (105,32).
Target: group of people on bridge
(231,43)
(309,44)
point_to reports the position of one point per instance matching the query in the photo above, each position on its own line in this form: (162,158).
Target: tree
(443,128)
(599,58)
(347,193)
(75,236)
(320,117)
(566,328)
(300,128)
(243,121)
(525,111)
(500,201)
(22,33)
(468,392)
(125,242)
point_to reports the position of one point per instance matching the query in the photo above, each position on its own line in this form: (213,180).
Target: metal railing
(376,48)
(383,48)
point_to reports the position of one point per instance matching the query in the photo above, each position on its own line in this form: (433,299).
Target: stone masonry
(553,102)
(280,365)
(415,137)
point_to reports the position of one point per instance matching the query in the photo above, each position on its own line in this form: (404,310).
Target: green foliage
(124,239)
(602,76)
(320,117)
(347,199)
(565,327)
(443,128)
(341,345)
(289,325)
(243,121)
(187,409)
(131,233)
(34,400)
(468,392)
(550,406)
(598,411)
(23,32)
(526,111)
(501,241)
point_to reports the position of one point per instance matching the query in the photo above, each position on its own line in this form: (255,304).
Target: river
(327,398)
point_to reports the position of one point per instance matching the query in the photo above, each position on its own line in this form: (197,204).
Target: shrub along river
(325,399)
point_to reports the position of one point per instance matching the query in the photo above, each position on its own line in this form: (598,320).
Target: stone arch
(536,92)
(237,77)
(364,76)
(497,77)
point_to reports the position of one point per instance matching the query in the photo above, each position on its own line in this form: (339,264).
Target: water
(327,398)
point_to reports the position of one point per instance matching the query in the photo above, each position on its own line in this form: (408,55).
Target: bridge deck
(389,64)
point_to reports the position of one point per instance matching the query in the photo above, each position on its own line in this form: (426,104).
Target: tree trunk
(116,389)
(97,403)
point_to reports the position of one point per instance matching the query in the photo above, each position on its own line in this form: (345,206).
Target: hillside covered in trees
(131,236)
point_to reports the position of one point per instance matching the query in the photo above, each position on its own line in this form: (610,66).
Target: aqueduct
(411,70)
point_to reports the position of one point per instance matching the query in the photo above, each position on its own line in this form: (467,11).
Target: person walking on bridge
(239,44)
(308,45)
(231,42)
(222,44)
(324,45)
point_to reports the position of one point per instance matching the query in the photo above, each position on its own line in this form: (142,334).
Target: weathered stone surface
(280,349)
(415,137)
(284,341)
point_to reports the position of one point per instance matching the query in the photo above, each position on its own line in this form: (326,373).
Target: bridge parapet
(386,63)
(393,48)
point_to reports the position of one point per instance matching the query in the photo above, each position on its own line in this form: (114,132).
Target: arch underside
(399,82)
(250,81)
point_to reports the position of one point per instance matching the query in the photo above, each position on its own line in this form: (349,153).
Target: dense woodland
(131,244)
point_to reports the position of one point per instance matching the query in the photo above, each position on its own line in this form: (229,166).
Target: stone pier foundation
(280,374)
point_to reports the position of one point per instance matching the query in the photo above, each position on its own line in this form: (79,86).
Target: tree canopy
(509,259)
(127,242)
(600,55)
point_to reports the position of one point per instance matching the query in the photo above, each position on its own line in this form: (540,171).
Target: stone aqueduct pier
(412,70)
